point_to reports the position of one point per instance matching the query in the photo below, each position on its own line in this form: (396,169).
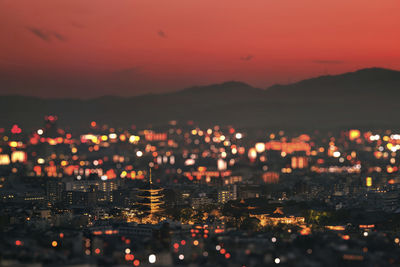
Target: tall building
(225,195)
(54,191)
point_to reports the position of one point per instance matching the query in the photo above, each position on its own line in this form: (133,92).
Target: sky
(90,48)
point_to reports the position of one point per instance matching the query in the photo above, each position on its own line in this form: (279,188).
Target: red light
(18,243)
(15,129)
(176,246)
(61,235)
(93,124)
(223,251)
(127,241)
(136,262)
(183,242)
(129,257)
(227,255)
(97,251)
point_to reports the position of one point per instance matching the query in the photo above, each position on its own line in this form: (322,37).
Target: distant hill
(365,98)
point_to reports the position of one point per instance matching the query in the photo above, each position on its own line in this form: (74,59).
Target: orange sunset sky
(89,48)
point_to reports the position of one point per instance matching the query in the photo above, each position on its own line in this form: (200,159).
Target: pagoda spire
(151,182)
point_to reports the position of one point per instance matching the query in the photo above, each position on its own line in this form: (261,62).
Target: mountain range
(367,98)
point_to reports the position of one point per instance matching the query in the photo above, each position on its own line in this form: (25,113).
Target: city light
(152,258)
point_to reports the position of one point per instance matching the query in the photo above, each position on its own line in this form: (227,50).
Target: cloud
(46,35)
(59,37)
(39,33)
(247,58)
(328,61)
(162,34)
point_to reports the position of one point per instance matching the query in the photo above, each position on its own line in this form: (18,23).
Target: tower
(150,200)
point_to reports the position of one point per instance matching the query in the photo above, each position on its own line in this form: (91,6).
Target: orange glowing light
(345,237)
(54,244)
(305,231)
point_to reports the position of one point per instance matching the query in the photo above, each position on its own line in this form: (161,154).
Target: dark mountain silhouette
(365,98)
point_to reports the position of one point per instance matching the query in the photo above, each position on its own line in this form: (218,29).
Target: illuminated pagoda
(150,202)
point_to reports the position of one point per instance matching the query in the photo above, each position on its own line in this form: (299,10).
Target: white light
(365,233)
(277,260)
(152,258)
(78,177)
(103,177)
(189,162)
(40,132)
(181,257)
(40,161)
(273,239)
(336,154)
(374,137)
(260,147)
(127,251)
(218,247)
(139,153)
(238,136)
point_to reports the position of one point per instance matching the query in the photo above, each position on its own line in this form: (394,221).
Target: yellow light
(354,134)
(389,146)
(369,181)
(13,144)
(54,243)
(134,139)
